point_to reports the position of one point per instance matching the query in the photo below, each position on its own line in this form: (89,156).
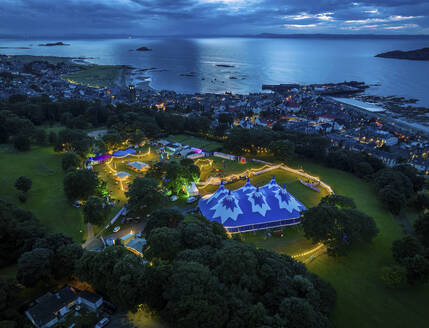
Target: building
(51,308)
(252,208)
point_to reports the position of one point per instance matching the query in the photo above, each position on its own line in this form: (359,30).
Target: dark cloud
(173,17)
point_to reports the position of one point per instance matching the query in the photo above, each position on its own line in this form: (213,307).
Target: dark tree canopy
(34,266)
(21,143)
(23,184)
(197,277)
(339,229)
(144,196)
(165,217)
(80,184)
(95,211)
(70,161)
(421,228)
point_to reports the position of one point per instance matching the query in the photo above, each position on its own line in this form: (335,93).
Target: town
(315,110)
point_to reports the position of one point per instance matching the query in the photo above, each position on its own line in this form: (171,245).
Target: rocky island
(53,44)
(420,54)
(225,65)
(143,49)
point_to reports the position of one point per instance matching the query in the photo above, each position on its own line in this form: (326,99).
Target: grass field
(96,76)
(363,301)
(46,197)
(196,142)
(221,167)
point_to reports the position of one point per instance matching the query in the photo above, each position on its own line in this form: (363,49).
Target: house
(90,300)
(51,308)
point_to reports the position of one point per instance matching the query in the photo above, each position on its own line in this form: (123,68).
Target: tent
(252,208)
(192,189)
(99,159)
(138,166)
(121,175)
(124,153)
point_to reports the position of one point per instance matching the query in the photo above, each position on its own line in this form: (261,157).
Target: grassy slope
(207,145)
(363,301)
(46,197)
(96,75)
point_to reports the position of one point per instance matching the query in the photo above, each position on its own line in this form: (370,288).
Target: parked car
(116,229)
(103,322)
(191,200)
(76,204)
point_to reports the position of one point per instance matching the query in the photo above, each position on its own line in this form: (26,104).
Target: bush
(393,276)
(22,197)
(21,143)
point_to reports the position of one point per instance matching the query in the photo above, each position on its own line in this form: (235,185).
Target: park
(361,295)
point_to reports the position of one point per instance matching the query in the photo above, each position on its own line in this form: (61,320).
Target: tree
(405,248)
(163,243)
(34,266)
(282,149)
(19,230)
(23,184)
(339,229)
(144,196)
(21,143)
(299,313)
(194,297)
(339,201)
(80,184)
(421,228)
(52,138)
(164,217)
(40,136)
(95,211)
(393,199)
(417,180)
(115,273)
(65,260)
(417,269)
(70,161)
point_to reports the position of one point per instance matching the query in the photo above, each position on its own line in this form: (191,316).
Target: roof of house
(91,297)
(49,304)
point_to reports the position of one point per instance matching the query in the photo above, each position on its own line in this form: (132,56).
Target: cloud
(181,17)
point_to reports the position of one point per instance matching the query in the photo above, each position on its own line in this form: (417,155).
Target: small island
(53,44)
(143,49)
(420,54)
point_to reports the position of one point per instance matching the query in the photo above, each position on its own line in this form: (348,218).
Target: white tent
(192,189)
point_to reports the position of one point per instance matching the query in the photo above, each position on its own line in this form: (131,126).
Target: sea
(243,65)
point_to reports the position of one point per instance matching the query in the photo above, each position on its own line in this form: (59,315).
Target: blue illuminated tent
(124,153)
(252,208)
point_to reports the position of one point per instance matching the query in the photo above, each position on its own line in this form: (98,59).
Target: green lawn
(305,195)
(222,167)
(196,142)
(46,197)
(363,301)
(96,76)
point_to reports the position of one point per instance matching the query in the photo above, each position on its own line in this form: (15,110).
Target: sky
(211,17)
